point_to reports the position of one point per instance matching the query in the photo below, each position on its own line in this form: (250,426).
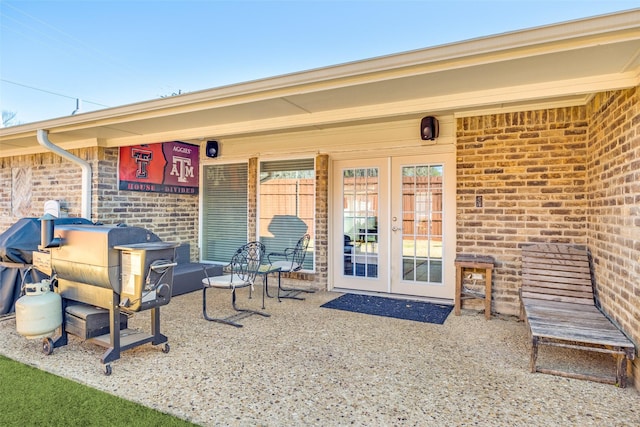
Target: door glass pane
(360,188)
(422,223)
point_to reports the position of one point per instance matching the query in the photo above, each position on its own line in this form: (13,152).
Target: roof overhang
(544,67)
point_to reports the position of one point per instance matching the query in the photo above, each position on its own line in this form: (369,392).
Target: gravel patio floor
(307,365)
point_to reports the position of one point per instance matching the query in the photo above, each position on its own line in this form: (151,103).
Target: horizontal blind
(297,166)
(225,207)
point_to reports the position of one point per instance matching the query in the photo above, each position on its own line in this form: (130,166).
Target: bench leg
(487,294)
(457,303)
(621,368)
(534,353)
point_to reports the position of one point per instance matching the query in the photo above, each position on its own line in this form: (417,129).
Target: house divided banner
(166,167)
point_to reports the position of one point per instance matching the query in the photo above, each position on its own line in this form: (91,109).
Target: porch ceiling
(556,65)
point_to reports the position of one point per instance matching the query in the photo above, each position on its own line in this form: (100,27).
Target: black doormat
(418,311)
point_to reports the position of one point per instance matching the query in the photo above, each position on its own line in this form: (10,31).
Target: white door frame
(380,283)
(389,274)
(445,289)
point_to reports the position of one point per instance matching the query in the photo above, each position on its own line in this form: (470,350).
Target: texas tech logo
(142,158)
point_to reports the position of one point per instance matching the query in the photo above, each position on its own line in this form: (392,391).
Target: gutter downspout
(43,139)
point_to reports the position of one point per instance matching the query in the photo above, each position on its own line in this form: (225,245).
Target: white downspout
(43,139)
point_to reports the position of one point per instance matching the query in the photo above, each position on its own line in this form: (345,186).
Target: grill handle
(160,267)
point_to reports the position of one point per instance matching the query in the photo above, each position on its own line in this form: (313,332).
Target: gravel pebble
(307,365)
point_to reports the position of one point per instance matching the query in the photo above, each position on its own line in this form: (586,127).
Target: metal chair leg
(226,321)
(241,313)
(291,292)
(245,310)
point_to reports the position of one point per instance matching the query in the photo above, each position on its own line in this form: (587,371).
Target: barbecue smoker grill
(120,269)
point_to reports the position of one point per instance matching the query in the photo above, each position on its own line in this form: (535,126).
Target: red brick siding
(173,217)
(613,184)
(529,168)
(52,178)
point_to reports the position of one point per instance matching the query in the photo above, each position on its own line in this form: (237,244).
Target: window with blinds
(224,216)
(287,205)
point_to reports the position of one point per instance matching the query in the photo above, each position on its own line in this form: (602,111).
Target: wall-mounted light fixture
(212,149)
(429,128)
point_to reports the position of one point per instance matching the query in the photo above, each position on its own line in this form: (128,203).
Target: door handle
(394,228)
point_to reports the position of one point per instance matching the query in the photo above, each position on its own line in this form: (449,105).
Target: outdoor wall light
(429,128)
(213,149)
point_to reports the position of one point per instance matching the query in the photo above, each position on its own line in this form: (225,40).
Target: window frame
(312,218)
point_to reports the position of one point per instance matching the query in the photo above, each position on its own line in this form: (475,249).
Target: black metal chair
(243,269)
(293,261)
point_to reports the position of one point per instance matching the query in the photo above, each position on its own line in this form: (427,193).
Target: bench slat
(554,263)
(558,286)
(582,317)
(547,283)
(570,332)
(557,273)
(562,272)
(558,306)
(562,297)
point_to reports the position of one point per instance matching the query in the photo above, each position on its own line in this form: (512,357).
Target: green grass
(31,397)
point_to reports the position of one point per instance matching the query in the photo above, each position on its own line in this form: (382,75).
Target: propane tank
(38,311)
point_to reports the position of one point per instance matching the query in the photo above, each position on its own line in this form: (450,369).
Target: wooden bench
(560,308)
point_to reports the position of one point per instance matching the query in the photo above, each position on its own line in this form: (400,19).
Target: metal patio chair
(291,260)
(242,272)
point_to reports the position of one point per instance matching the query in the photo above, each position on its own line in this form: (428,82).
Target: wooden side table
(476,262)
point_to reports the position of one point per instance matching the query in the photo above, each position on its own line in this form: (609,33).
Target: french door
(396,232)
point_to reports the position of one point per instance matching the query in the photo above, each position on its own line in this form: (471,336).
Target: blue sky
(112,53)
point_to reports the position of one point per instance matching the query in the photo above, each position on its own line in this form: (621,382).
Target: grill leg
(113,352)
(158,338)
(63,339)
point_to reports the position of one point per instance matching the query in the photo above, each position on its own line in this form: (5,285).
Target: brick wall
(613,183)
(5,194)
(529,168)
(46,176)
(569,175)
(252,189)
(322,222)
(172,217)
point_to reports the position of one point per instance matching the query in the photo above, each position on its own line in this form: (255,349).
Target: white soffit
(561,64)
